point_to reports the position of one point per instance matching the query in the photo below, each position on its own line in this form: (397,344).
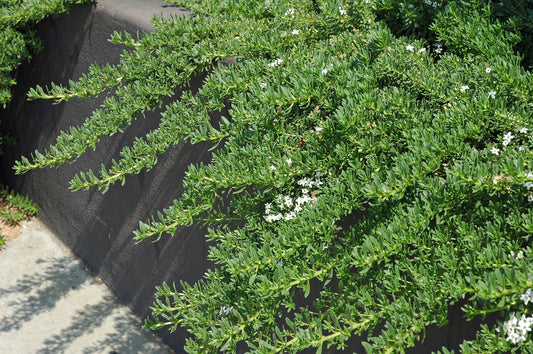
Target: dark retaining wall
(98,228)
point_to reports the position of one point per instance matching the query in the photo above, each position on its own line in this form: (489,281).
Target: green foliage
(17,40)
(14,208)
(17,207)
(375,159)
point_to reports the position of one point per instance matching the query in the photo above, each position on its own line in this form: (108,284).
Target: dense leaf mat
(372,157)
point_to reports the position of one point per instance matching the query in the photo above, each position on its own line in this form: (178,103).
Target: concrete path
(49,303)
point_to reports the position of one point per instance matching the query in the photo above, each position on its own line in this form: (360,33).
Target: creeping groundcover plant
(371,167)
(18,40)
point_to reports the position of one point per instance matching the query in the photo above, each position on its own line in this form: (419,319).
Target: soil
(9,231)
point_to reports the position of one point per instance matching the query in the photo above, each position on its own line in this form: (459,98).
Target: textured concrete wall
(97,227)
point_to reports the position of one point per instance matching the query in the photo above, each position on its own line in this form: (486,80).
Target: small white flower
(507,138)
(272,218)
(268,208)
(495,151)
(524,130)
(290,12)
(273,168)
(302,200)
(297,208)
(295,32)
(305,191)
(318,129)
(519,255)
(530,198)
(289,161)
(524,325)
(492,94)
(304,181)
(527,297)
(342,11)
(288,201)
(290,216)
(421,50)
(488,70)
(464,88)
(225,310)
(263,85)
(438,48)
(325,71)
(521,148)
(280,263)
(529,175)
(276,62)
(409,47)
(528,185)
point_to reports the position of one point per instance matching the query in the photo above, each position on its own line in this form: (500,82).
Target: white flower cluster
(438,48)
(286,207)
(411,48)
(276,62)
(431,3)
(527,297)
(516,328)
(507,139)
(290,12)
(518,255)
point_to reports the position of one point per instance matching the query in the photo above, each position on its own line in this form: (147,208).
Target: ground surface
(50,303)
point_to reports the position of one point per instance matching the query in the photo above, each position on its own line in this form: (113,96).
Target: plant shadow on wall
(421,123)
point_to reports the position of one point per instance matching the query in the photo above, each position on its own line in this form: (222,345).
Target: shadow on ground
(37,293)
(62,309)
